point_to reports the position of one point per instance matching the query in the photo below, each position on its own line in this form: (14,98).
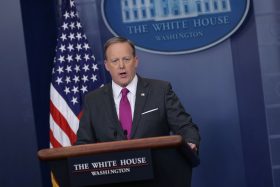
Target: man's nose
(121,64)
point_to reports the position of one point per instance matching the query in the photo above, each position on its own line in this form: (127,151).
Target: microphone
(115,134)
(125,133)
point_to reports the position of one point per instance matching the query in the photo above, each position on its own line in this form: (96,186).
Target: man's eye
(114,60)
(127,59)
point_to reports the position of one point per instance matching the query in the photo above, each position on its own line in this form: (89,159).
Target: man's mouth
(123,74)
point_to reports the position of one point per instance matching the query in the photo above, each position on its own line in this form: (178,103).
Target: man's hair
(118,39)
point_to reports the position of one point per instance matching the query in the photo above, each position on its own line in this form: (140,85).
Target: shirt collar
(131,87)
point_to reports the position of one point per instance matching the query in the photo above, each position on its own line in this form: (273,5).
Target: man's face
(121,63)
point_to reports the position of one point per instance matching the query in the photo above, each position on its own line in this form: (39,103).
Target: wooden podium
(158,161)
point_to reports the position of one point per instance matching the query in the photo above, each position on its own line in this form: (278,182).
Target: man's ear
(137,61)
(106,64)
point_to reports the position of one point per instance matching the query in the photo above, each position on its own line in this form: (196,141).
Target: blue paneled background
(232,91)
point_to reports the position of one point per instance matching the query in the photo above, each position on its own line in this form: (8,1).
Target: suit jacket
(157,112)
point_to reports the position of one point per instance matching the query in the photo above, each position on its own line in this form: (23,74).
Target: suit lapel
(141,97)
(110,109)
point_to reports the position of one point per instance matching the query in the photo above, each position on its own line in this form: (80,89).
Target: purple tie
(125,113)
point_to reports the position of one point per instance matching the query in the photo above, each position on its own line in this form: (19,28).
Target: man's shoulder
(98,92)
(155,82)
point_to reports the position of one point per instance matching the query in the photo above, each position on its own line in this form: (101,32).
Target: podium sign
(138,162)
(109,168)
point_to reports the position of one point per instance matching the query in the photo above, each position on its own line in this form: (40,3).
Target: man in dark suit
(153,109)
(157,110)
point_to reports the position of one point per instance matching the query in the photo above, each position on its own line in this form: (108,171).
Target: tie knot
(124,92)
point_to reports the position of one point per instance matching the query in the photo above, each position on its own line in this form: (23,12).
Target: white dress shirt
(131,96)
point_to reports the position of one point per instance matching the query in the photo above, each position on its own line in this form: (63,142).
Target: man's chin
(124,83)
